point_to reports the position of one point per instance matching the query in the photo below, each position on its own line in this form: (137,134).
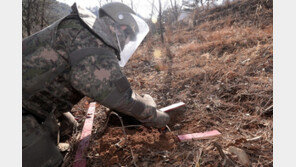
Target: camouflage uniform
(69,60)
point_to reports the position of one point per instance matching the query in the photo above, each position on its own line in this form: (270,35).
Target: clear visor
(130,47)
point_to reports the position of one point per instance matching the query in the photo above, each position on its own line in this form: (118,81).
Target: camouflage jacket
(68,60)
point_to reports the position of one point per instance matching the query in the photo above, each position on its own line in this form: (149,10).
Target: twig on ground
(168,128)
(131,126)
(118,144)
(255,138)
(267,102)
(186,158)
(268,110)
(125,135)
(66,159)
(122,126)
(134,162)
(197,158)
(105,126)
(224,156)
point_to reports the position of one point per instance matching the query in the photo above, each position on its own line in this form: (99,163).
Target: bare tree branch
(132,4)
(152,4)
(160,21)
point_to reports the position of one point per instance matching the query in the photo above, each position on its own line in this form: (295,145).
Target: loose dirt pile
(114,149)
(222,69)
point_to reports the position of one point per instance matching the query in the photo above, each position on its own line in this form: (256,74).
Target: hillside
(222,68)
(37,15)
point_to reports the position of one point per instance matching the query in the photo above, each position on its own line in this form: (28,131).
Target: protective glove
(158,119)
(143,108)
(149,100)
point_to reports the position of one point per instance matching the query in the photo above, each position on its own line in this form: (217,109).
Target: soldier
(79,55)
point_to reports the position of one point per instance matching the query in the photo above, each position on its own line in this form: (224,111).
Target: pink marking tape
(80,160)
(197,136)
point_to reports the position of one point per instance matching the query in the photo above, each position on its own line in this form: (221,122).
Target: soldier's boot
(38,147)
(68,124)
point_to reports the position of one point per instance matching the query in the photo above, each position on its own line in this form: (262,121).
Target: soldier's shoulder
(70,23)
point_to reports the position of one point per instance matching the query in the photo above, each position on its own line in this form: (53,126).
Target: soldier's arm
(100,77)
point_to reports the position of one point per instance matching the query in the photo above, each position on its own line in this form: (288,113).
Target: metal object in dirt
(172,107)
(174,111)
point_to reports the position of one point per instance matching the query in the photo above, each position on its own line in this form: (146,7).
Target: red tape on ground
(80,160)
(197,136)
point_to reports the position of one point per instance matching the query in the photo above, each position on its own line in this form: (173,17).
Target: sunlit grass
(157,54)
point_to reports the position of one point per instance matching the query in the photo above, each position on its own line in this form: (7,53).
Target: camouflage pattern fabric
(45,81)
(38,147)
(52,85)
(100,27)
(95,76)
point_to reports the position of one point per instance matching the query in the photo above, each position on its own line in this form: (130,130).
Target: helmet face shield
(131,45)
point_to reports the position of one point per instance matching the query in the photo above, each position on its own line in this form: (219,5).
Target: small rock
(177,126)
(208,108)
(63,147)
(241,154)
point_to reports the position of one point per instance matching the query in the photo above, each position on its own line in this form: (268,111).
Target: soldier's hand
(160,121)
(149,100)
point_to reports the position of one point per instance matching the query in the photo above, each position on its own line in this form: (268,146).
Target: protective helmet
(136,29)
(121,14)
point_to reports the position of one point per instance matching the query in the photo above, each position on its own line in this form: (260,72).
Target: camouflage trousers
(38,143)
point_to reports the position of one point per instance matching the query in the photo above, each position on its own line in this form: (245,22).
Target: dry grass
(227,39)
(222,69)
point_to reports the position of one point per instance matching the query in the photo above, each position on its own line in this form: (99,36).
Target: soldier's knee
(38,149)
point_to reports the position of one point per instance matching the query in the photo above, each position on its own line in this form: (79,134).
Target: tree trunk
(174,9)
(160,22)
(42,14)
(28,24)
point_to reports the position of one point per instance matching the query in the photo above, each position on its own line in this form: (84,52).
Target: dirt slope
(222,68)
